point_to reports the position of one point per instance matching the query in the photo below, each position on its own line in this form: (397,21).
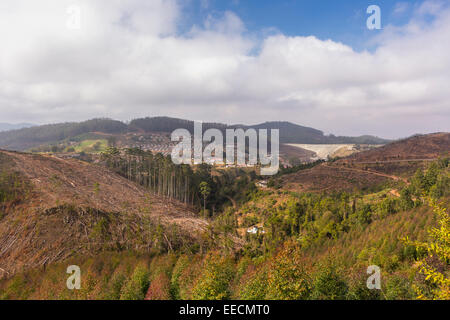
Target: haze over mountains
(14,126)
(26,138)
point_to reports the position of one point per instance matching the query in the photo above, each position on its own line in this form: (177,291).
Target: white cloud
(401,7)
(129,60)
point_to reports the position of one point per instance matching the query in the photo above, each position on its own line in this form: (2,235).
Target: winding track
(396,178)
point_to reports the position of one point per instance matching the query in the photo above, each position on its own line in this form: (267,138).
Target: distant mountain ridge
(26,138)
(294,133)
(14,126)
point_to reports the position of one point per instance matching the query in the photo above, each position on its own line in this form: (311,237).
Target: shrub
(178,269)
(358,288)
(287,279)
(186,271)
(398,288)
(214,281)
(255,288)
(136,287)
(329,285)
(159,288)
(115,286)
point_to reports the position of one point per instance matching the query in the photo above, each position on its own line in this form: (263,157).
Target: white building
(262,184)
(255,230)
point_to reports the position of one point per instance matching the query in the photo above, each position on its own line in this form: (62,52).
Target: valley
(248,152)
(141,227)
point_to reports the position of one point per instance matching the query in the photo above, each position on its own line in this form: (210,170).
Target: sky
(311,62)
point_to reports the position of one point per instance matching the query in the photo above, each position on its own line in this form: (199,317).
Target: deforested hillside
(400,158)
(419,147)
(53,208)
(325,178)
(394,162)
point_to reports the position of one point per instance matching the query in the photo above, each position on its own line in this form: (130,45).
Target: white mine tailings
(324,150)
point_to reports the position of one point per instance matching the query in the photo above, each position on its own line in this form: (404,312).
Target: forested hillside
(9,126)
(27,138)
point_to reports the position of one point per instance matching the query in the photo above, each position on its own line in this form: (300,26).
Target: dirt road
(396,178)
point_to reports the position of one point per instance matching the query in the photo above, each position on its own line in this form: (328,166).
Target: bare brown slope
(393,162)
(421,147)
(401,158)
(75,207)
(324,178)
